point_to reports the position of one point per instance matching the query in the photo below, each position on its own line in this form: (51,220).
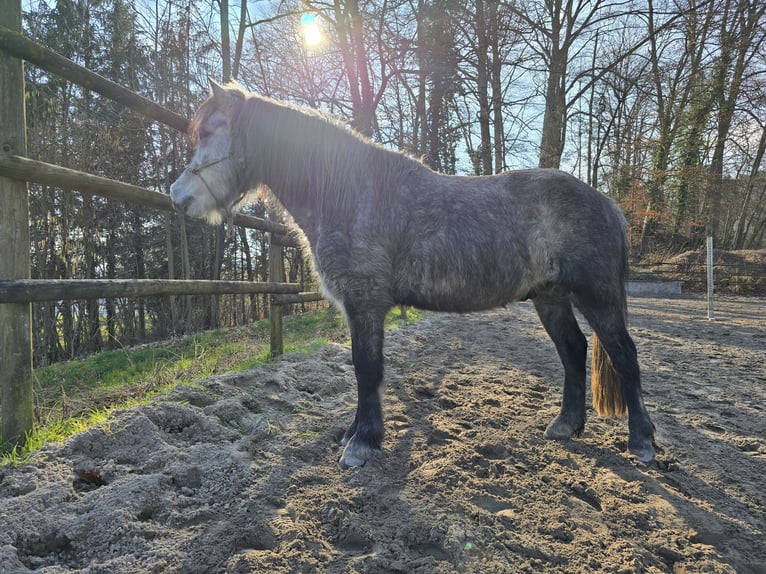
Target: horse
(383,229)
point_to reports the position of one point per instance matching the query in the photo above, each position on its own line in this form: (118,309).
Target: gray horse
(384,229)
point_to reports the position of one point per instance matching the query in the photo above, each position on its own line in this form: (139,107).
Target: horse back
(468,243)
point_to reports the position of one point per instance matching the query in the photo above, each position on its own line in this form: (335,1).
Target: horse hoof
(347,462)
(559,429)
(643,451)
(356,454)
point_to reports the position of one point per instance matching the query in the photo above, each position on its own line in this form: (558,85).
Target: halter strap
(239,166)
(198,172)
(211,163)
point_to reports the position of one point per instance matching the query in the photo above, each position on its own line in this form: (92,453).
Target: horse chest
(332,263)
(354,269)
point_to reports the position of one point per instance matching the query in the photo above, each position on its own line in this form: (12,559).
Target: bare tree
(742,35)
(557,32)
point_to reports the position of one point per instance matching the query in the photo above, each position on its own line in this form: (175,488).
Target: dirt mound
(240,474)
(734,272)
(756,257)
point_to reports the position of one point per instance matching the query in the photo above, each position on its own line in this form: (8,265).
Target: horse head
(210,185)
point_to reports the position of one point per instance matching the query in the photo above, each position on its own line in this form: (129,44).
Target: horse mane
(309,158)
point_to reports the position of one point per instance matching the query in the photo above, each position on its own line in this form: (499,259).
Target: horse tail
(606,385)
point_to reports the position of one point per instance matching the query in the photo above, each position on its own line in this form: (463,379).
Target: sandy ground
(240,475)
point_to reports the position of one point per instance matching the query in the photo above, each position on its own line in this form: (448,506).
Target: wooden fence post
(16,393)
(276,273)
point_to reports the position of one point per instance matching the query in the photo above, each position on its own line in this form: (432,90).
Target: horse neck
(310,165)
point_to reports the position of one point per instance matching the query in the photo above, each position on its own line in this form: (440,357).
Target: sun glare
(312,35)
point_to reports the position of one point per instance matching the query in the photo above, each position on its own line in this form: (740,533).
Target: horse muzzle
(181,199)
(183,203)
(192,197)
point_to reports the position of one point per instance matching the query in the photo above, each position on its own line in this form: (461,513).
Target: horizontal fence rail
(303,297)
(23,48)
(30,170)
(36,290)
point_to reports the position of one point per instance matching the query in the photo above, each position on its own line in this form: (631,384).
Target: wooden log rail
(25,169)
(302,297)
(23,48)
(36,290)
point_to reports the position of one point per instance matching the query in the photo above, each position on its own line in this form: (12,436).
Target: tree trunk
(225,40)
(349,26)
(554,118)
(739,236)
(496,66)
(240,40)
(482,89)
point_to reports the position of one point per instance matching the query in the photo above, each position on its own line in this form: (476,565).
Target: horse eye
(205,132)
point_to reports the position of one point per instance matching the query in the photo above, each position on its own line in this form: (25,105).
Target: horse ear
(216,89)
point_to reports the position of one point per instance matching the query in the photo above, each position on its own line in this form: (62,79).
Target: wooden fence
(17,290)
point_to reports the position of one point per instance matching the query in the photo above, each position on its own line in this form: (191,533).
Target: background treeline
(660,104)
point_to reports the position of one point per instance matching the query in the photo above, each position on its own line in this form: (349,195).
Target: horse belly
(451,303)
(462,290)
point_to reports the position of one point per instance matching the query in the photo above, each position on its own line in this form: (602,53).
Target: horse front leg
(364,437)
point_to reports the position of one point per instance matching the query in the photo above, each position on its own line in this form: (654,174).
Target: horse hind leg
(555,312)
(608,322)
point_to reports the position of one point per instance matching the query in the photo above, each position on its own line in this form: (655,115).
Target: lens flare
(312,35)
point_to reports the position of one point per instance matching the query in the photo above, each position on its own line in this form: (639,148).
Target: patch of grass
(55,430)
(80,394)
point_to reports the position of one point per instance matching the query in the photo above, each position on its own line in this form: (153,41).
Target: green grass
(80,394)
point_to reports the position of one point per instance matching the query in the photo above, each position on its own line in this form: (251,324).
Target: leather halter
(226,210)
